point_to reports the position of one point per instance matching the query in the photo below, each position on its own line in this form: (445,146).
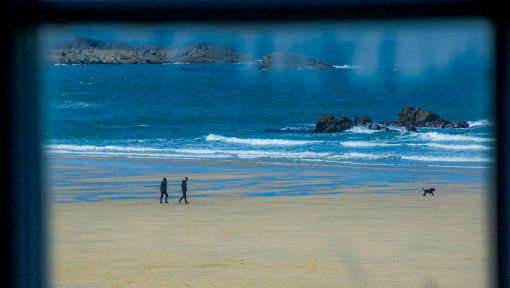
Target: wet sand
(339,240)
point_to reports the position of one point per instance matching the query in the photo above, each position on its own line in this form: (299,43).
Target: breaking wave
(258,141)
(484,122)
(435,136)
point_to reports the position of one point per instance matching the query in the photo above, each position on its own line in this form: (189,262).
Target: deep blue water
(235,112)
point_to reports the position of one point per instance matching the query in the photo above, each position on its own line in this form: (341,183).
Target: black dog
(431,191)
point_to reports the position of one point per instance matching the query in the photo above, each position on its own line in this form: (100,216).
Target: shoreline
(448,169)
(99,179)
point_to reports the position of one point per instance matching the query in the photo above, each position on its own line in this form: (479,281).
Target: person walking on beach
(162,188)
(184,188)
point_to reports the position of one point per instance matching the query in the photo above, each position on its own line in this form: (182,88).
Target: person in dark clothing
(184,188)
(162,188)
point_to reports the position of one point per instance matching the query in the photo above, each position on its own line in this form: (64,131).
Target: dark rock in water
(411,117)
(362,120)
(463,124)
(438,123)
(410,128)
(278,60)
(328,124)
(378,127)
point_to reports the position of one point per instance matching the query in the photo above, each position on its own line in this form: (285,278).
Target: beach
(274,202)
(251,225)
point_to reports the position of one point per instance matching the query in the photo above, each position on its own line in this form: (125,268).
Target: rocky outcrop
(278,60)
(411,117)
(88,51)
(211,53)
(408,118)
(328,124)
(362,120)
(85,51)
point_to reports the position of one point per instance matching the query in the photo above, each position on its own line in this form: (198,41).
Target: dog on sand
(425,191)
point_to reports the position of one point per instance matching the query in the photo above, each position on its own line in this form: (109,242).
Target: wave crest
(484,122)
(435,136)
(367,144)
(258,141)
(345,67)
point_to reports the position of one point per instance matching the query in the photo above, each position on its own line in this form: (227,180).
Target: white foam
(484,122)
(305,127)
(446,159)
(457,166)
(141,140)
(345,67)
(362,130)
(252,154)
(131,152)
(435,136)
(459,146)
(90,148)
(363,156)
(367,144)
(273,153)
(258,141)
(74,104)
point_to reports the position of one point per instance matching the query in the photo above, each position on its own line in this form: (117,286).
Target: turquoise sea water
(233,112)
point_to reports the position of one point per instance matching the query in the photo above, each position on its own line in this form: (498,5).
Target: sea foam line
(367,144)
(304,127)
(362,130)
(345,66)
(484,122)
(73,104)
(90,148)
(174,153)
(446,159)
(435,136)
(253,154)
(258,141)
(200,153)
(363,156)
(459,147)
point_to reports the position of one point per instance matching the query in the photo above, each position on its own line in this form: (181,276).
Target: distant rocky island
(408,118)
(84,51)
(280,60)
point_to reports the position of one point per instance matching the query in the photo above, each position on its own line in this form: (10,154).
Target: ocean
(235,112)
(104,123)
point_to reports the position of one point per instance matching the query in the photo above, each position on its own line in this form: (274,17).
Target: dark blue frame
(24,207)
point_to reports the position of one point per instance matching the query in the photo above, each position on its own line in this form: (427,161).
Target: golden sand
(344,240)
